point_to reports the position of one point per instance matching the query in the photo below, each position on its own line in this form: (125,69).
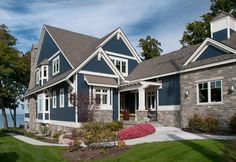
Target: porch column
(141,98)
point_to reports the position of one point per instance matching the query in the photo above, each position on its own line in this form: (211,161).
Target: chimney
(33,65)
(222,26)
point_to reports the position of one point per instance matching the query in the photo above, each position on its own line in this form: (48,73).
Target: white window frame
(209,93)
(54,99)
(45,77)
(26,106)
(54,65)
(40,103)
(103,106)
(68,97)
(151,93)
(62,98)
(37,76)
(121,60)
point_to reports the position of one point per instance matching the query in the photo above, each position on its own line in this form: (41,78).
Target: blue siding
(96,65)
(62,114)
(210,51)
(170,92)
(131,63)
(64,66)
(46,116)
(40,116)
(48,48)
(117,46)
(115,105)
(220,35)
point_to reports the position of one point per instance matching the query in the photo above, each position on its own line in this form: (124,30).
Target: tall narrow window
(37,77)
(45,72)
(54,99)
(70,104)
(123,67)
(203,92)
(62,97)
(56,65)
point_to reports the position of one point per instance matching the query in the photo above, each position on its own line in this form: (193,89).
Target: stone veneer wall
(222,111)
(32,114)
(169,118)
(141,116)
(103,115)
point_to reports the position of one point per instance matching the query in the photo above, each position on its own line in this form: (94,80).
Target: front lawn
(192,150)
(13,150)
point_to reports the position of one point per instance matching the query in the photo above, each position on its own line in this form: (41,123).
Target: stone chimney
(222,26)
(33,65)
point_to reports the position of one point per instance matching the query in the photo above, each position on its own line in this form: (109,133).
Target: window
(54,99)
(121,64)
(45,71)
(61,97)
(55,65)
(37,77)
(151,100)
(210,92)
(40,103)
(47,103)
(26,106)
(102,96)
(70,104)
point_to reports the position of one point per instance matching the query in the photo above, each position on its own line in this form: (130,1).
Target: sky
(164,20)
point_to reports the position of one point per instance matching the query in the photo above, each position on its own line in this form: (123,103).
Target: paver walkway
(33,141)
(172,134)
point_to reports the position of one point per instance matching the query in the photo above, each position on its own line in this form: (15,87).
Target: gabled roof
(222,14)
(73,45)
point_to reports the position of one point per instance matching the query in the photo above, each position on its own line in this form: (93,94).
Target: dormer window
(121,64)
(56,65)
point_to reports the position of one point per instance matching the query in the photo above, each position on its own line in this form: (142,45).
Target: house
(195,79)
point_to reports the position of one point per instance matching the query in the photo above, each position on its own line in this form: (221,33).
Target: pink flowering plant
(139,130)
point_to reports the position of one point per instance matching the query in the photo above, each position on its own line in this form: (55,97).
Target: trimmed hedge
(139,130)
(232,123)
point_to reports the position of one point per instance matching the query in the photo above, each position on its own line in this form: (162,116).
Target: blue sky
(162,19)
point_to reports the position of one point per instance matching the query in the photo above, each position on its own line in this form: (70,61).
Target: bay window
(210,92)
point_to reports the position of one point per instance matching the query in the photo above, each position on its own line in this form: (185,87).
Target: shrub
(229,151)
(57,134)
(44,130)
(232,123)
(139,130)
(200,124)
(114,126)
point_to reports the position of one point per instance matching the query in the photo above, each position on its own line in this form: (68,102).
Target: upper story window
(56,65)
(210,92)
(62,97)
(121,64)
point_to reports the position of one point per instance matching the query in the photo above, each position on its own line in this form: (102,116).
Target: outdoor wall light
(231,89)
(186,93)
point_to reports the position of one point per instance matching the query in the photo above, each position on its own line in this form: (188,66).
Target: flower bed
(139,130)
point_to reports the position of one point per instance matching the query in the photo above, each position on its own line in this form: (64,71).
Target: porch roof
(100,81)
(138,84)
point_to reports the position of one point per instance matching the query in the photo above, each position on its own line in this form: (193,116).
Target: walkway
(33,141)
(172,134)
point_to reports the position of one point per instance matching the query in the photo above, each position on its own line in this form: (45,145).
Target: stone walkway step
(33,141)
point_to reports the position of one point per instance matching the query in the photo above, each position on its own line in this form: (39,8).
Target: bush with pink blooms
(139,130)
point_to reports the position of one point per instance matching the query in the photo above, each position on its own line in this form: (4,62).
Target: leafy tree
(197,31)
(150,46)
(14,76)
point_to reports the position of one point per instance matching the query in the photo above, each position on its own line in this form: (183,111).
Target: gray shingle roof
(92,79)
(222,14)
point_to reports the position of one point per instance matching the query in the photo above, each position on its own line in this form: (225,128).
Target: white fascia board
(54,55)
(126,41)
(98,74)
(119,55)
(59,47)
(203,46)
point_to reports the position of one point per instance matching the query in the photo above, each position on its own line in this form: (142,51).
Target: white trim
(58,47)
(97,74)
(54,61)
(26,119)
(121,60)
(54,97)
(65,123)
(169,108)
(54,55)
(118,106)
(216,44)
(101,106)
(75,91)
(61,98)
(126,41)
(119,55)
(210,79)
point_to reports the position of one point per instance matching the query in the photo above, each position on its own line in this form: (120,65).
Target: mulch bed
(218,132)
(86,154)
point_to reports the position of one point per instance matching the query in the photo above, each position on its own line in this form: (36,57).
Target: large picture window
(210,92)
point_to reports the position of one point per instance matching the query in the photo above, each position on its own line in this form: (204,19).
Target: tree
(14,76)
(150,46)
(197,31)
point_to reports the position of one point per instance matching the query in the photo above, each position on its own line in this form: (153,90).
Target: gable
(48,48)
(210,51)
(99,66)
(117,46)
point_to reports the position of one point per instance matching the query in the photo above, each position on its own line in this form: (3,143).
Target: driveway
(172,134)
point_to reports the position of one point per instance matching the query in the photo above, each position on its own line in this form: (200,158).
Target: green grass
(186,151)
(13,150)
